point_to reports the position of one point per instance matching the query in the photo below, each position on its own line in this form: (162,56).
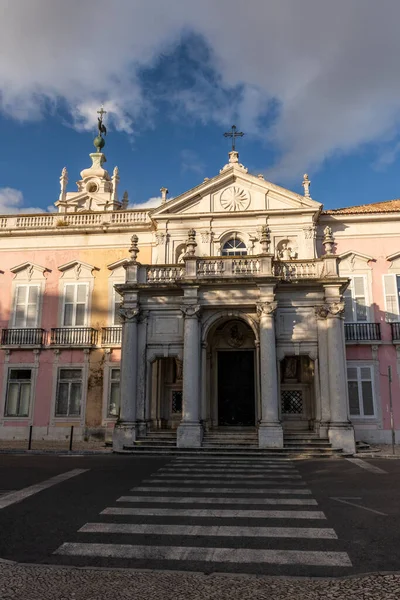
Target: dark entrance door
(236,405)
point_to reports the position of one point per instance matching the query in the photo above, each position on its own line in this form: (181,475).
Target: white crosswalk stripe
(222,490)
(217,500)
(191,504)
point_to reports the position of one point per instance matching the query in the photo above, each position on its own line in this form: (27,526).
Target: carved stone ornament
(336,308)
(236,336)
(160,238)
(266,309)
(322,311)
(235,198)
(191,310)
(129,314)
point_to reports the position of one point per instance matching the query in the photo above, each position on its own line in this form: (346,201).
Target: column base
(270,435)
(189,435)
(323,429)
(341,435)
(142,428)
(125,434)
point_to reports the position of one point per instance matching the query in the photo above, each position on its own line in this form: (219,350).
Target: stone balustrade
(298,269)
(243,266)
(61,221)
(164,273)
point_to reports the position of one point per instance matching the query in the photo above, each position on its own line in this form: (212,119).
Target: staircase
(237,441)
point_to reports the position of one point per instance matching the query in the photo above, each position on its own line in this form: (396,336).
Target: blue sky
(324,98)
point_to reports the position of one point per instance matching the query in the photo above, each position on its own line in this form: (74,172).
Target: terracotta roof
(376,207)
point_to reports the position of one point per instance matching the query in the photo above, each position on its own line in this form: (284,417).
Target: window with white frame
(116,305)
(234,247)
(114,393)
(26,306)
(69,393)
(391,285)
(75,304)
(18,393)
(361,392)
(356,301)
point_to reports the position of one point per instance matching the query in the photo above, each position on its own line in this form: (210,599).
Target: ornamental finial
(306,186)
(99,141)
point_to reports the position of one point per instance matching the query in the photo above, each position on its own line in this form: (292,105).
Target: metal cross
(233,134)
(101,112)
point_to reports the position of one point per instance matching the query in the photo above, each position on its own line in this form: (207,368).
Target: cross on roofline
(233,134)
(102,112)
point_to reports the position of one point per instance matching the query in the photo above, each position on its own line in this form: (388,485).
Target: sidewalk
(57,583)
(14,446)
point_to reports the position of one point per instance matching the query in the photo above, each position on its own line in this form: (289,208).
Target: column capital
(266,309)
(336,309)
(191,311)
(321,311)
(129,315)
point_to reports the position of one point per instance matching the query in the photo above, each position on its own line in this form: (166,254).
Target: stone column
(321,313)
(141,373)
(341,432)
(270,433)
(125,431)
(190,431)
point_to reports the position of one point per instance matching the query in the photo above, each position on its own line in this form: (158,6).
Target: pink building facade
(239,304)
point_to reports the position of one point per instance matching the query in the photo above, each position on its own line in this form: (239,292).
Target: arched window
(234,247)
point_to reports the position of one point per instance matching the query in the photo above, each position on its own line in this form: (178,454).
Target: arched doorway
(231,375)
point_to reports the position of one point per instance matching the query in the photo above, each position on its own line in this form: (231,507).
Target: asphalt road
(168,513)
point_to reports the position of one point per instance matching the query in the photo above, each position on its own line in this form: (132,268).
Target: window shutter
(391,302)
(360,298)
(348,306)
(26,306)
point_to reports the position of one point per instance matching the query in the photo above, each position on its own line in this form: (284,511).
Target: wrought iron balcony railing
(73,336)
(27,336)
(395,331)
(111,336)
(362,332)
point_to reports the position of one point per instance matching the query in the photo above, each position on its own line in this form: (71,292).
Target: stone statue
(285,253)
(182,255)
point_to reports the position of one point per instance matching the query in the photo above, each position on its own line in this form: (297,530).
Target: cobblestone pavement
(58,583)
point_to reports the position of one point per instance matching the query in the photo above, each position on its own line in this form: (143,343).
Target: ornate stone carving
(306,186)
(266,309)
(134,250)
(328,240)
(129,314)
(336,308)
(310,232)
(236,336)
(191,242)
(160,238)
(235,198)
(322,311)
(191,310)
(265,239)
(206,236)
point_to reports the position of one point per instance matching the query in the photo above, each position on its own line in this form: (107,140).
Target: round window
(92,187)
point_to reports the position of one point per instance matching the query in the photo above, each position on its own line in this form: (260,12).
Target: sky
(313,84)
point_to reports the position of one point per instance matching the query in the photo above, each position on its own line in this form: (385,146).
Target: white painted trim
(84,366)
(358,364)
(108,365)
(7,367)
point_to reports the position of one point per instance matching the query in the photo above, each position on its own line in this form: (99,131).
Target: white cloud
(12,202)
(327,70)
(150,203)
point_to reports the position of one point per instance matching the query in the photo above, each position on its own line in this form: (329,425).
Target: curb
(57,452)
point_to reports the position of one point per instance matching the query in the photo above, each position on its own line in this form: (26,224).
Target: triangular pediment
(234,190)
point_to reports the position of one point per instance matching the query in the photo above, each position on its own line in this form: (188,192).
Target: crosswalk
(214,514)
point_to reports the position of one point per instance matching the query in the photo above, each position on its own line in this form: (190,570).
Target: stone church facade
(238,305)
